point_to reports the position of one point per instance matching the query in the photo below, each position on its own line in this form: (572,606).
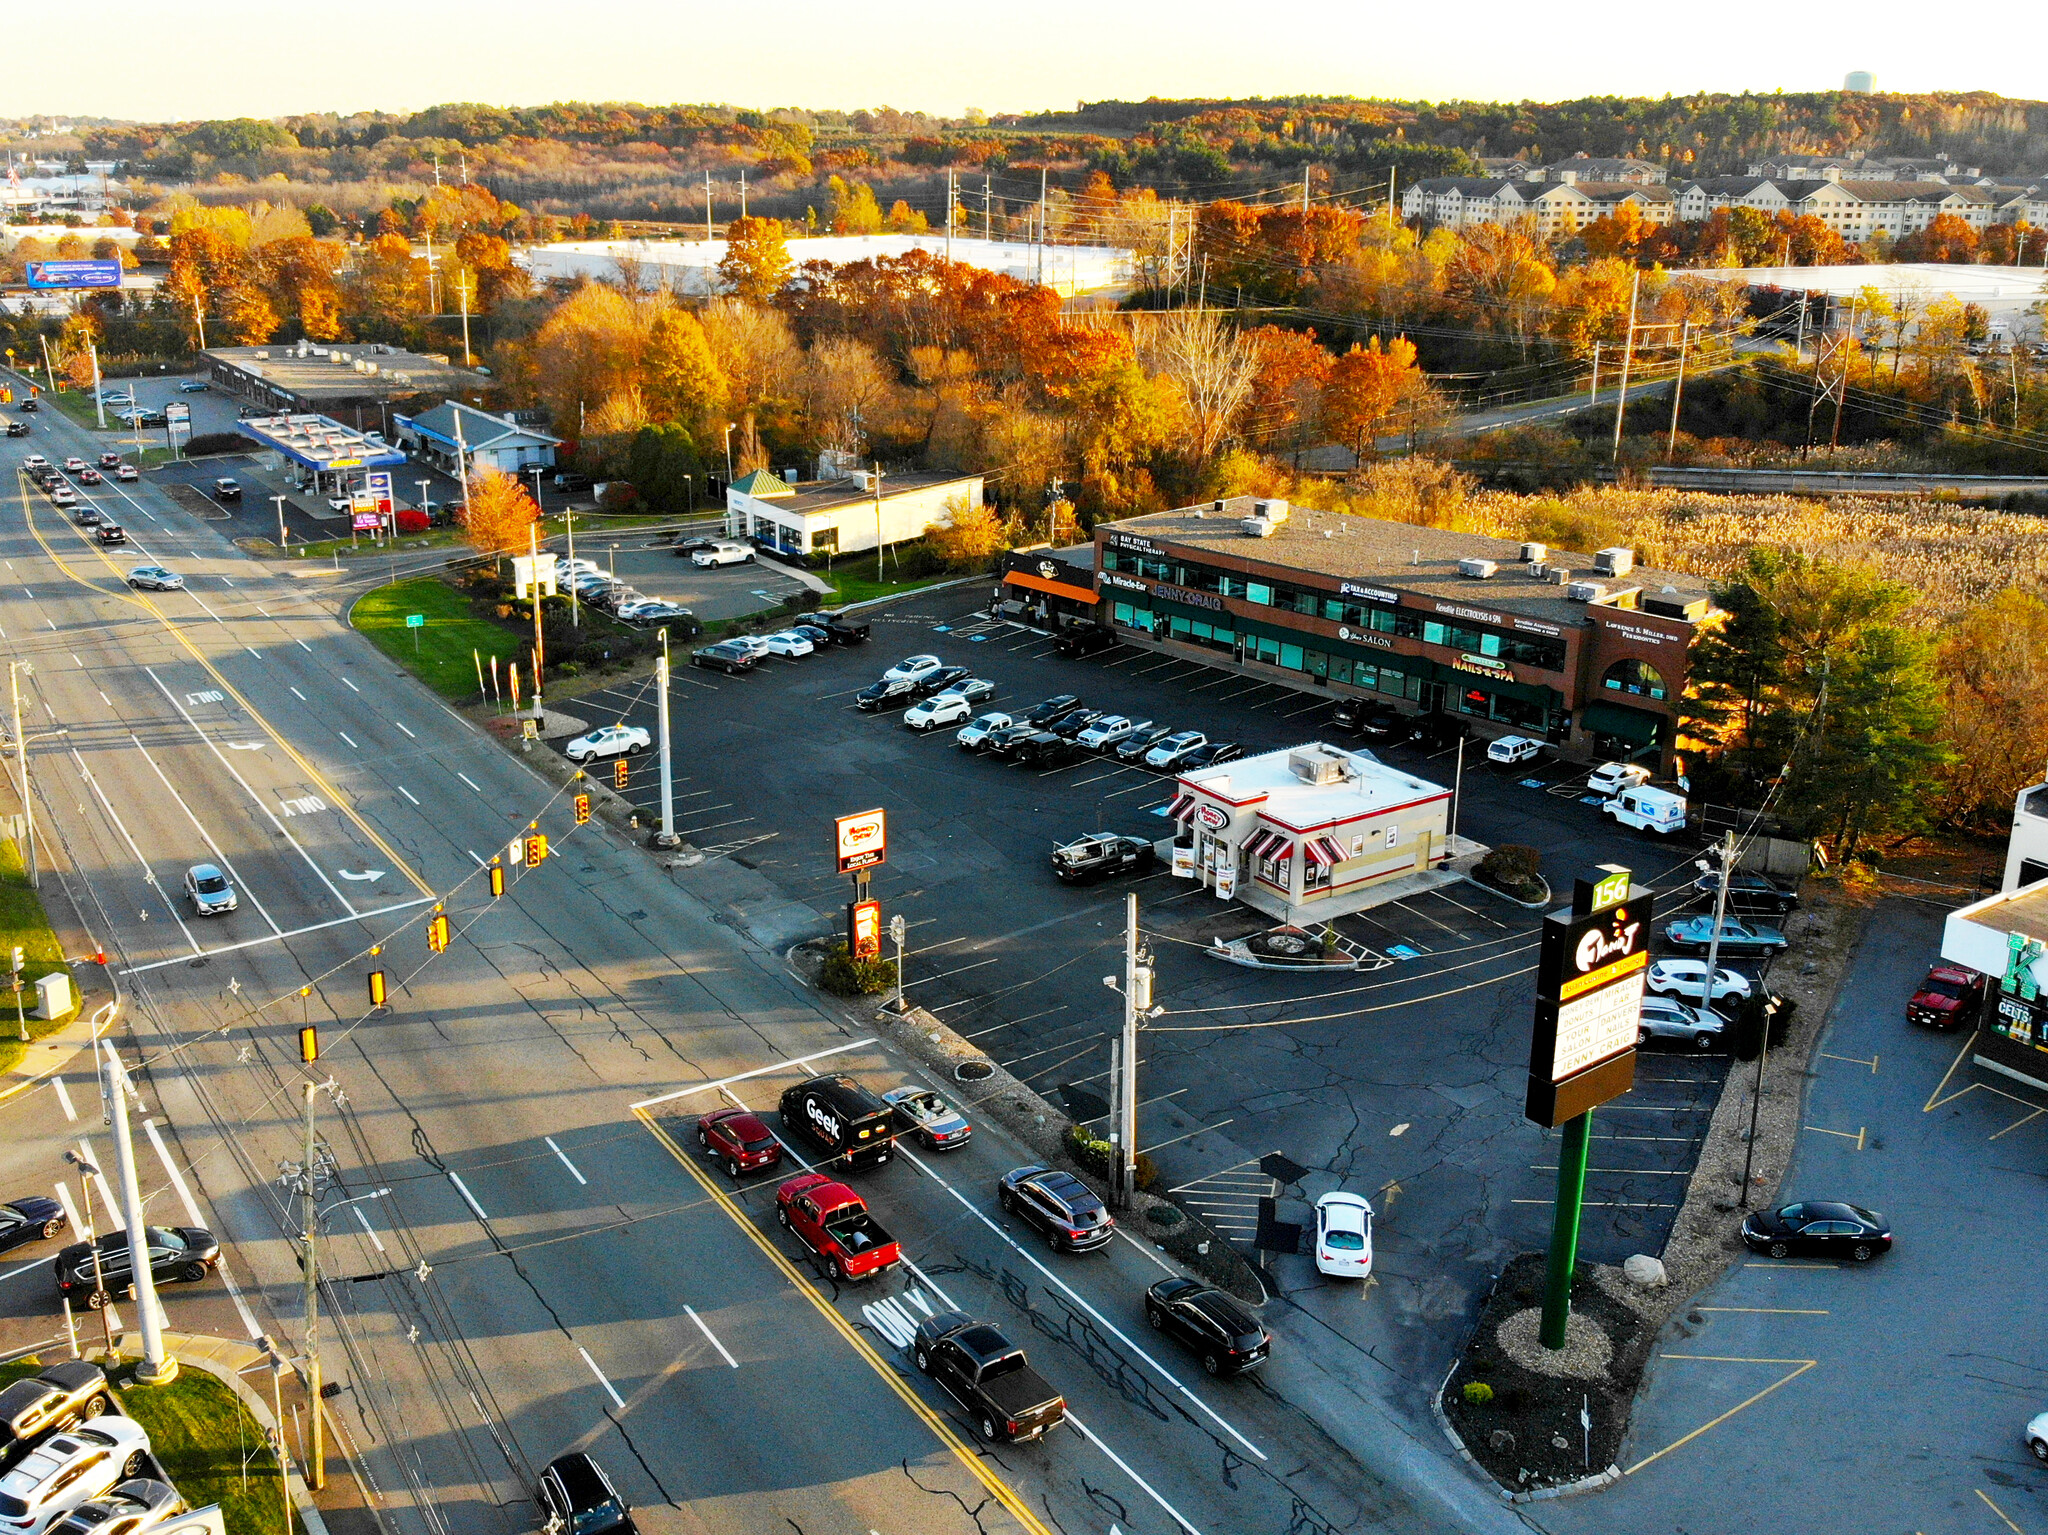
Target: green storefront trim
(1635,726)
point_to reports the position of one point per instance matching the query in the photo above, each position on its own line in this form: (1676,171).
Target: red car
(833,1222)
(1949,998)
(738,1139)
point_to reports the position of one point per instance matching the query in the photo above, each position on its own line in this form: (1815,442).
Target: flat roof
(319,442)
(825,495)
(1403,556)
(330,373)
(1368,786)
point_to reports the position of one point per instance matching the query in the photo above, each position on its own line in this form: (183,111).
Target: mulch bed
(1516,1435)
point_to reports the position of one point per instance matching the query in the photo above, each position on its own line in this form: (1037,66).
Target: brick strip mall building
(1589,654)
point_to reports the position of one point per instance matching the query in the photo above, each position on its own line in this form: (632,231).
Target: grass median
(443,650)
(24,924)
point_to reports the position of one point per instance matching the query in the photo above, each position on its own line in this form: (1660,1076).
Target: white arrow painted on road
(247,746)
(365,874)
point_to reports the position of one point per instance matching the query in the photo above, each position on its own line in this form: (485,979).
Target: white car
(71,1468)
(939,709)
(638,608)
(1170,751)
(1669,1018)
(127,474)
(154,578)
(1610,778)
(567,569)
(35,461)
(754,645)
(1343,1236)
(722,552)
(1513,749)
(73,464)
(609,741)
(913,669)
(340,503)
(979,729)
(2037,1437)
(788,643)
(1106,732)
(1688,978)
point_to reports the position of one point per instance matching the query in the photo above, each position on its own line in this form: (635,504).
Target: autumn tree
(971,535)
(387,289)
(850,208)
(588,351)
(1946,238)
(496,513)
(680,379)
(756,263)
(1286,405)
(1212,363)
(906,220)
(1994,670)
(1367,384)
(299,277)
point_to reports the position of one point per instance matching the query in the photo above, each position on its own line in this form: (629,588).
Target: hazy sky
(233,58)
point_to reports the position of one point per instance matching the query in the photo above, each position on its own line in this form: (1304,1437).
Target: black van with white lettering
(844,1118)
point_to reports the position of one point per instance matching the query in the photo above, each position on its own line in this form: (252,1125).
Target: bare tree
(1212,363)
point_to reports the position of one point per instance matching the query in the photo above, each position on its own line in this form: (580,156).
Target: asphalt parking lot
(649,563)
(1405,1084)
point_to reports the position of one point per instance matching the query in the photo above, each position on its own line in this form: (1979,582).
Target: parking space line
(1783,1265)
(1803,1366)
(1604,1204)
(1854,1060)
(1844,1134)
(1990,1505)
(1312,704)
(1765,1310)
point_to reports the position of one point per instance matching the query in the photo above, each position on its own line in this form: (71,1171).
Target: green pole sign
(415,622)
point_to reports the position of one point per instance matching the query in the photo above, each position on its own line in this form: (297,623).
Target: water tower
(1860,82)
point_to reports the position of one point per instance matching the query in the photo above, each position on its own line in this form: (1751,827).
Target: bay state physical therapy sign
(1589,997)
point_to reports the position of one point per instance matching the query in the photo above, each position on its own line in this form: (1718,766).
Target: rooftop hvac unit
(1539,570)
(1478,570)
(1614,562)
(1585,591)
(1272,511)
(1534,554)
(1215,506)
(263,357)
(1258,527)
(1318,765)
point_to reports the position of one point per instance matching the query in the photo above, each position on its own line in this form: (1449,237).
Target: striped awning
(1267,844)
(1182,810)
(1323,851)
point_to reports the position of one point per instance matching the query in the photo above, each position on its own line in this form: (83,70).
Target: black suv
(176,1252)
(1085,641)
(225,489)
(1132,748)
(940,680)
(1042,714)
(1751,892)
(1060,1205)
(842,629)
(577,1498)
(1043,749)
(1228,1338)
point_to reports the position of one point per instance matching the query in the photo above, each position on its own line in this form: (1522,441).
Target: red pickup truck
(833,1222)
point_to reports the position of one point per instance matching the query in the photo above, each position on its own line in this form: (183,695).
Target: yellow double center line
(962,1450)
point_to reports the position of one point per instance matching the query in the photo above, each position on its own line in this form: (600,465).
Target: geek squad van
(844,1118)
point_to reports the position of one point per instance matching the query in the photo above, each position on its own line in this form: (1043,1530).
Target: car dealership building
(1588,654)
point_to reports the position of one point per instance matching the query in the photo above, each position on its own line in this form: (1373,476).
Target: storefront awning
(1631,725)
(1182,810)
(1323,851)
(1051,588)
(1267,844)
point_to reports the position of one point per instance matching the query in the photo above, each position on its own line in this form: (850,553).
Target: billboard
(74,274)
(1589,997)
(862,841)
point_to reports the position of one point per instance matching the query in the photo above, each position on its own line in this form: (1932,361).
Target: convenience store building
(1587,653)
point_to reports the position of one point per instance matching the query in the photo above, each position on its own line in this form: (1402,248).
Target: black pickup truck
(1099,854)
(840,627)
(988,1375)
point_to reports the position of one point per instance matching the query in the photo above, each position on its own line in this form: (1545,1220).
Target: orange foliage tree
(1367,384)
(498,513)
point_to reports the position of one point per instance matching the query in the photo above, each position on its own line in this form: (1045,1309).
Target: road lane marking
(204,835)
(99,1181)
(617,1400)
(712,1336)
(147,873)
(301,697)
(1764,1310)
(758,1071)
(402,789)
(346,737)
(464,776)
(469,1198)
(253,943)
(479,859)
(558,1151)
(64,1098)
(350,686)
(177,1178)
(399,723)
(1124,1466)
(34,1263)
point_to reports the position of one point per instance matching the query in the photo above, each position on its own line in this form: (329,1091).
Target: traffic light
(376,988)
(497,880)
(582,810)
(309,1044)
(437,933)
(620,770)
(536,850)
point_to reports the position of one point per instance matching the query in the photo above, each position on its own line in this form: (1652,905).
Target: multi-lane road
(551,1268)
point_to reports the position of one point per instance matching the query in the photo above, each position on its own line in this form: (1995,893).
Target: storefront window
(1130,617)
(1256,592)
(1314,876)
(1638,677)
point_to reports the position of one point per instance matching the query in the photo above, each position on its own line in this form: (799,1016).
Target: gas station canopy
(319,443)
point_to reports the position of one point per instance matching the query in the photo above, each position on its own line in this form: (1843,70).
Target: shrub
(218,442)
(845,976)
(412,520)
(1477,1392)
(1093,1156)
(1513,868)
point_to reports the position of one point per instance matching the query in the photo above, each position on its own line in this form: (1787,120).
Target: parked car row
(608,595)
(71,1464)
(812,632)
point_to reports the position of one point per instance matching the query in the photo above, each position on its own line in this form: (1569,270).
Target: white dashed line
(710,1335)
(558,1151)
(64,1098)
(468,1198)
(470,781)
(368,1230)
(350,686)
(594,1370)
(301,697)
(345,736)
(402,789)
(401,725)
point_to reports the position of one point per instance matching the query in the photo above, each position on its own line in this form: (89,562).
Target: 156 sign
(862,840)
(1589,998)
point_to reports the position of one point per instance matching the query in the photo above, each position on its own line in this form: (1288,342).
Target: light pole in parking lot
(1137,993)
(666,837)
(280,520)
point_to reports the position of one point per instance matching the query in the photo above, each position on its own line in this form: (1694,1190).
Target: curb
(302,1500)
(1542,905)
(1593,1483)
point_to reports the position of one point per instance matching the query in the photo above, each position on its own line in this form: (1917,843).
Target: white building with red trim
(1311,832)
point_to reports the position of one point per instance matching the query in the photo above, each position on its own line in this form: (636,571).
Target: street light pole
(575,610)
(101,1301)
(666,837)
(280,520)
(316,1476)
(28,808)
(157,1368)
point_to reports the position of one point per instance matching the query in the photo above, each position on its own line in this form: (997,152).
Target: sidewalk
(99,996)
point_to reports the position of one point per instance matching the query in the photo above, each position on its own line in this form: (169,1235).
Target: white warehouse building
(839,512)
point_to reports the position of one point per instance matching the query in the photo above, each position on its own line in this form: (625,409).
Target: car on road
(1818,1228)
(889,693)
(913,669)
(754,645)
(638,610)
(1343,1236)
(787,642)
(723,551)
(1950,997)
(71,1468)
(739,1139)
(838,1114)
(723,657)
(1042,748)
(1133,747)
(1175,749)
(1512,750)
(34,462)
(576,1498)
(1008,1400)
(1060,1206)
(209,891)
(1217,1326)
(923,1113)
(1750,892)
(567,569)
(133,1508)
(1106,731)
(1049,708)
(1692,935)
(1087,640)
(91,476)
(17,429)
(1209,755)
(2036,1437)
(63,495)
(842,627)
(30,405)
(1688,978)
(154,578)
(193,386)
(973,735)
(88,517)
(73,464)
(669,615)
(110,460)
(973,689)
(186,1253)
(1669,1018)
(31,1218)
(833,1222)
(127,474)
(225,489)
(1099,855)
(940,709)
(609,741)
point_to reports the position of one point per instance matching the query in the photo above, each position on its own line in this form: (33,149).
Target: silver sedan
(1669,1018)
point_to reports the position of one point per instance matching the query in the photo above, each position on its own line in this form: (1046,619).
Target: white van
(723,551)
(1610,778)
(1648,809)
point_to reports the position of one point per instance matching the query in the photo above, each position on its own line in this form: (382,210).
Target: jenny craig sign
(862,841)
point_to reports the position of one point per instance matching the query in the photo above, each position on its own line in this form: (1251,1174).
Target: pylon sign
(1589,997)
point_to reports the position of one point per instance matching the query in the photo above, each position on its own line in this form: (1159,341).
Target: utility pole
(462,290)
(1042,234)
(707,207)
(949,214)
(743,191)
(156,1368)
(102,1302)
(1137,989)
(28,804)
(1594,397)
(1842,389)
(1304,189)
(99,405)
(316,1476)
(1725,856)
(280,519)
(1678,393)
(897,933)
(433,292)
(1628,353)
(878,522)
(666,837)
(50,374)
(533,555)
(987,204)
(1799,338)
(569,520)
(1390,198)
(462,463)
